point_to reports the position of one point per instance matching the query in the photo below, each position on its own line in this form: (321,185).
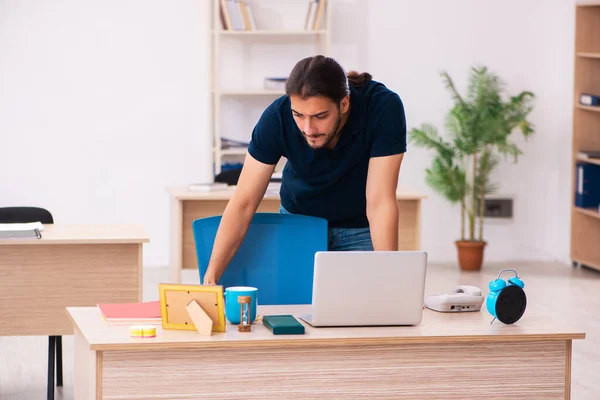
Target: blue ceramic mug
(232,307)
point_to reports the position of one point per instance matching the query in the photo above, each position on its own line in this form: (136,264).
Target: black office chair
(35,214)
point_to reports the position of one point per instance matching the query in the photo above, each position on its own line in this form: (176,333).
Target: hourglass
(244,325)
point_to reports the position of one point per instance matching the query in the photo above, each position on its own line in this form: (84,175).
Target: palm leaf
(449,84)
(453,124)
(508,149)
(491,188)
(448,181)
(428,137)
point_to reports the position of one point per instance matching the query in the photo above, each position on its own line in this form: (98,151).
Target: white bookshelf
(241,59)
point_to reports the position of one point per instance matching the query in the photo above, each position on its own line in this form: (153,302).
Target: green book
(283,325)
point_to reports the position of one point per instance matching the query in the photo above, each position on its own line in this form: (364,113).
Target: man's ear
(345,104)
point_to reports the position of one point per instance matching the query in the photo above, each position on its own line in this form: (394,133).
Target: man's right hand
(209,280)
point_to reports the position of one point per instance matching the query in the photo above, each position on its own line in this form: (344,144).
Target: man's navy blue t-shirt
(331,183)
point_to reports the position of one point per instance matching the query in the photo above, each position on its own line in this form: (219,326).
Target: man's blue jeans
(346,239)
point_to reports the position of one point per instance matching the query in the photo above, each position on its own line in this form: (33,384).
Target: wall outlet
(498,208)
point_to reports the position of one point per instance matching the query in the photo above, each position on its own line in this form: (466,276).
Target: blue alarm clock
(507,300)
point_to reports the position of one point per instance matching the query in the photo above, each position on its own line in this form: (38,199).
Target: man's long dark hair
(323,76)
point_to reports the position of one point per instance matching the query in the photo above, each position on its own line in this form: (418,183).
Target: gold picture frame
(174,299)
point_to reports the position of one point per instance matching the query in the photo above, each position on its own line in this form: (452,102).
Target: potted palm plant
(479,127)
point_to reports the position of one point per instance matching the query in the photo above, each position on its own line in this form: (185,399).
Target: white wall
(530,45)
(102,104)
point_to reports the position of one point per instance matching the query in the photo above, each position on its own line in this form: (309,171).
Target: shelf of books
(585,215)
(255,44)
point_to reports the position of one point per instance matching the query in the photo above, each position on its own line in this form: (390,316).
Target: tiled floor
(571,294)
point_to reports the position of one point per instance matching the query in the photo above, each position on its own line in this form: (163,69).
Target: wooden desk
(187,206)
(448,356)
(72,265)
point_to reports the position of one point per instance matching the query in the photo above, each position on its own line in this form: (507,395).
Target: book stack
(131,313)
(227,143)
(275,83)
(587,99)
(315,15)
(236,15)
(589,154)
(29,230)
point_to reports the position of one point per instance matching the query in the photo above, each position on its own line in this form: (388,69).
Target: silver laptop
(368,288)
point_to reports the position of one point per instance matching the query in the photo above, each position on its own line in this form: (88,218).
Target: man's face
(318,118)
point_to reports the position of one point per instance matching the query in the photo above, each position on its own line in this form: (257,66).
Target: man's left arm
(387,151)
(382,205)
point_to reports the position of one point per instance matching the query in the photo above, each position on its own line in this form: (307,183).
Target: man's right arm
(251,187)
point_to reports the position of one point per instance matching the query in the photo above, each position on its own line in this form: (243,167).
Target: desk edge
(182,193)
(37,242)
(308,342)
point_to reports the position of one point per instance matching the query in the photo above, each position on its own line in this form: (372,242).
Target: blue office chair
(276,256)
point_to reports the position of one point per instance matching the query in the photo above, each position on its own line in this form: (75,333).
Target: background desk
(456,356)
(72,265)
(187,206)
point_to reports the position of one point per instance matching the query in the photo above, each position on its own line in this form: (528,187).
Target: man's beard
(330,137)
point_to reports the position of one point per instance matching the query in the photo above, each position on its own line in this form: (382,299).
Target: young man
(344,136)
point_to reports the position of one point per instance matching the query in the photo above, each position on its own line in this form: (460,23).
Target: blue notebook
(587,185)
(283,324)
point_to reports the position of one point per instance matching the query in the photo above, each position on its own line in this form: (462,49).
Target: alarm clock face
(511,304)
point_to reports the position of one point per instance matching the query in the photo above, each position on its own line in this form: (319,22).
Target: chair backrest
(276,256)
(10,215)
